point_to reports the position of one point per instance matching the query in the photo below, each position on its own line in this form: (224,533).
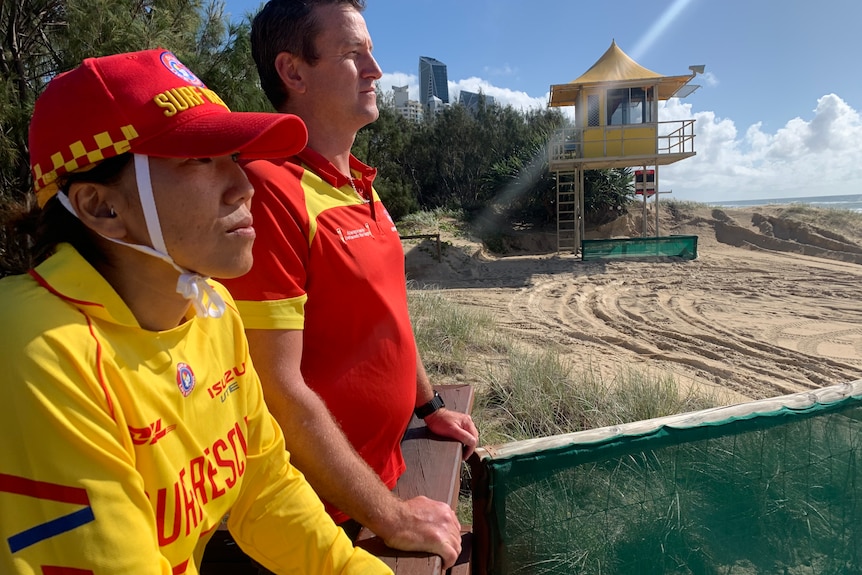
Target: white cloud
(503,96)
(400,79)
(818,156)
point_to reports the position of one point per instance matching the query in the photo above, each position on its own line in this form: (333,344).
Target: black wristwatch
(427,409)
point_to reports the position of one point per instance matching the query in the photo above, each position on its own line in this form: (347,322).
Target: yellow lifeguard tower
(616,126)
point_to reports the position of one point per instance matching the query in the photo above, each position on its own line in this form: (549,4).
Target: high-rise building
(433,81)
(401,95)
(410,109)
(470,100)
(435,107)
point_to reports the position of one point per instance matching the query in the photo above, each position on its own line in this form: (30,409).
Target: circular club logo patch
(185,379)
(179,69)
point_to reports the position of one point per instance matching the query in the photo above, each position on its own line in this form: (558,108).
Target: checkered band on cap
(146,103)
(81,157)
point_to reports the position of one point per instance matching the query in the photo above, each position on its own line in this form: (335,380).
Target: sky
(778,112)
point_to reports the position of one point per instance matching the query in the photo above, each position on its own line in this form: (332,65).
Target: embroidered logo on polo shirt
(358,233)
(185,379)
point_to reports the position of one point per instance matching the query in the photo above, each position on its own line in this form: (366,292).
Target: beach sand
(770,306)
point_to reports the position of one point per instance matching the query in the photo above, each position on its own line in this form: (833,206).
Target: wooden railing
(433,470)
(435,237)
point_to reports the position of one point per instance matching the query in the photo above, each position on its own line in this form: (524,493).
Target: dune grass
(522,393)
(539,395)
(752,506)
(683,205)
(846,222)
(436,219)
(448,336)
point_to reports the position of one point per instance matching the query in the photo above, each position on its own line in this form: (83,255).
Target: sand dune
(770,306)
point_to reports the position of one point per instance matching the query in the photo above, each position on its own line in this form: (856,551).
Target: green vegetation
(456,161)
(523,394)
(425,221)
(41,38)
(468,163)
(448,336)
(682,206)
(574,399)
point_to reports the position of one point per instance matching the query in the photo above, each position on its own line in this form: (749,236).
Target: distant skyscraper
(433,81)
(470,100)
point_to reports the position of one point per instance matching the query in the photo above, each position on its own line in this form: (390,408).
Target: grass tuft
(438,219)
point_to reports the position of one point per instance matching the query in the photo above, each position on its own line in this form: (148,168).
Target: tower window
(628,106)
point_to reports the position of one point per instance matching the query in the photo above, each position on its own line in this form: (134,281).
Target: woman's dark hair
(32,233)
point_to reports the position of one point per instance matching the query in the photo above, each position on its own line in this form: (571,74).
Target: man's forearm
(424,389)
(314,439)
(321,451)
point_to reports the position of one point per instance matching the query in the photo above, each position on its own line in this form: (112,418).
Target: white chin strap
(192,286)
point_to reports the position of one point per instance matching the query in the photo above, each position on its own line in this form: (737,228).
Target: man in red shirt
(325,303)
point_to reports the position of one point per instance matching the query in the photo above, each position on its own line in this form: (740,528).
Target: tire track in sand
(760,326)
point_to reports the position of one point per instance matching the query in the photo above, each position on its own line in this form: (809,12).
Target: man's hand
(422,524)
(456,426)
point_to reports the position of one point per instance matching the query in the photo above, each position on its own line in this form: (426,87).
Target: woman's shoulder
(41,333)
(26,306)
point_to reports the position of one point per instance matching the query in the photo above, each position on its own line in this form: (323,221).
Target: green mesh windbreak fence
(770,486)
(670,246)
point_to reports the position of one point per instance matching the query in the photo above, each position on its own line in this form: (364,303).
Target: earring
(113,213)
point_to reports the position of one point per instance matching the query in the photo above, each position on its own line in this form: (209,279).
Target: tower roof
(615,67)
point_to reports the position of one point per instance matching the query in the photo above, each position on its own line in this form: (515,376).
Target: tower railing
(573,145)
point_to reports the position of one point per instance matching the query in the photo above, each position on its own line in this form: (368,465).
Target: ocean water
(852,202)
